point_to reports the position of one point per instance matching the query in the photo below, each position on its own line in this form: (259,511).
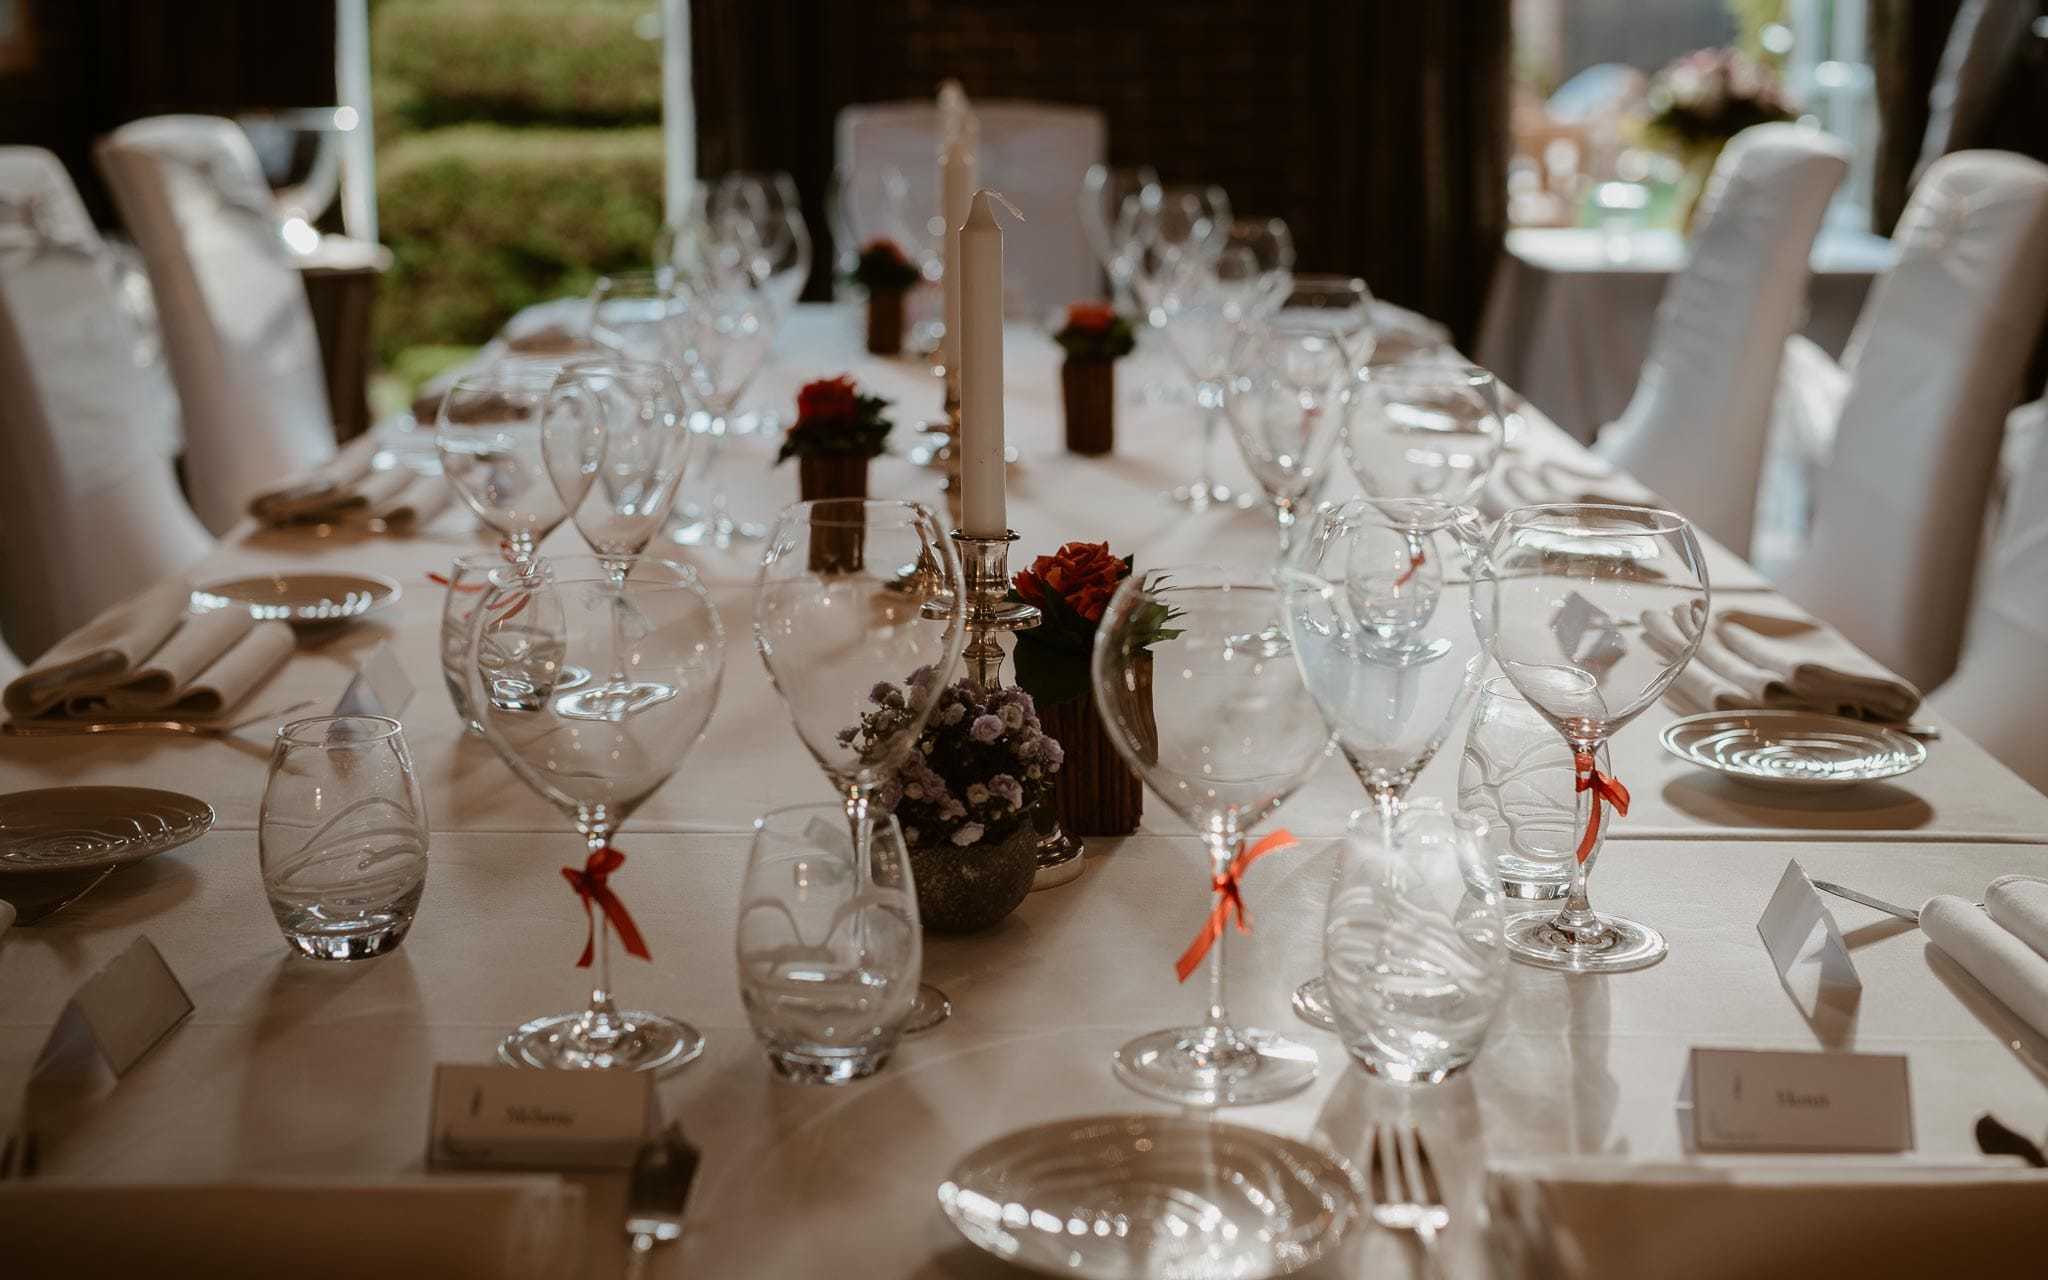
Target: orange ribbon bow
(1229,897)
(589,884)
(1604,788)
(1415,559)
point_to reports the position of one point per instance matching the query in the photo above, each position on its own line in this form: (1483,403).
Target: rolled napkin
(1996,957)
(1752,660)
(2020,905)
(151,655)
(350,490)
(463,1227)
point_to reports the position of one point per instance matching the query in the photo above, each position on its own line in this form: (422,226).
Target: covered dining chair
(1035,153)
(237,327)
(90,511)
(1695,429)
(1936,363)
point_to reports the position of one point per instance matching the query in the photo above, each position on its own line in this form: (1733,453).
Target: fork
(662,1172)
(1405,1193)
(19,1155)
(150,726)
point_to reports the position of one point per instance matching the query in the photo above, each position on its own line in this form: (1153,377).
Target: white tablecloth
(1568,321)
(292,1067)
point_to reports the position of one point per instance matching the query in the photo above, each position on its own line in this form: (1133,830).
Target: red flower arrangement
(883,268)
(834,420)
(1080,575)
(1095,332)
(1071,589)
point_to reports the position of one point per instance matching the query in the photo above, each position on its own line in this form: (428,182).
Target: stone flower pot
(965,889)
(1089,391)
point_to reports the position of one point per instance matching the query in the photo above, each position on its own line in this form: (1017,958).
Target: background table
(289,1067)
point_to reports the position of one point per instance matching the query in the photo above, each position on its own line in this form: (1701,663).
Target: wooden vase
(834,549)
(1096,793)
(885,323)
(1089,388)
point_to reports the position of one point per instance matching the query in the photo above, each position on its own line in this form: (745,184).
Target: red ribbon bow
(1229,897)
(1604,788)
(589,884)
(1415,559)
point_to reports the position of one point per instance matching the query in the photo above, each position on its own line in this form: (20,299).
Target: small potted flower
(887,275)
(1098,794)
(837,431)
(1095,337)
(964,796)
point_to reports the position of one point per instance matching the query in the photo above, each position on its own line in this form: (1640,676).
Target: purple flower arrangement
(982,762)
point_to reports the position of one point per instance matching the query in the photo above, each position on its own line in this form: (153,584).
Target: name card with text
(1744,1100)
(508,1118)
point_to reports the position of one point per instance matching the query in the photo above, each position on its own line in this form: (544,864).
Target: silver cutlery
(19,1155)
(1908,914)
(662,1172)
(1406,1195)
(56,727)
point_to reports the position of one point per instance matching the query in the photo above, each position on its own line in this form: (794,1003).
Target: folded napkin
(349,489)
(552,328)
(151,655)
(2020,903)
(1995,956)
(1596,1220)
(1525,483)
(464,1227)
(1753,660)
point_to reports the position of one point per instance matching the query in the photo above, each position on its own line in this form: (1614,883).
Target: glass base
(1203,495)
(362,942)
(613,701)
(640,1042)
(931,1007)
(1404,1073)
(1312,1004)
(814,1068)
(1616,947)
(1215,1067)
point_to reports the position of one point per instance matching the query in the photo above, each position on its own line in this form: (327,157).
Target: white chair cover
(1999,693)
(236,323)
(1035,153)
(1695,429)
(1940,350)
(90,511)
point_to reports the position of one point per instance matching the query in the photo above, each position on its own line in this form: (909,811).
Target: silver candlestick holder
(985,578)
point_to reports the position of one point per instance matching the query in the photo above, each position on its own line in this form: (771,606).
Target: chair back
(90,511)
(237,327)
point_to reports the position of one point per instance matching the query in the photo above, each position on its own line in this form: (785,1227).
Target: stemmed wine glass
(1423,431)
(1103,193)
(1272,248)
(1206,306)
(1556,598)
(488,437)
(532,623)
(1285,399)
(854,597)
(725,336)
(1199,690)
(770,207)
(1391,676)
(1342,303)
(633,314)
(616,432)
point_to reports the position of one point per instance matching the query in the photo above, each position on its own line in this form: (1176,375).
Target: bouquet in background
(1094,332)
(981,765)
(883,268)
(1703,99)
(834,420)
(1071,588)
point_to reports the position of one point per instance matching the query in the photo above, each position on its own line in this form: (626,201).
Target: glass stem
(1206,393)
(601,1025)
(617,570)
(1285,509)
(1576,919)
(1217,1021)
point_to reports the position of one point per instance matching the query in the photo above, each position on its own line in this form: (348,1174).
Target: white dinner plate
(1120,1197)
(300,598)
(83,828)
(1793,750)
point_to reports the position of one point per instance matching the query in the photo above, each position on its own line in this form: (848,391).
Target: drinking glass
(342,835)
(533,622)
(1103,192)
(726,336)
(1423,431)
(1412,951)
(854,595)
(1272,249)
(633,314)
(1342,303)
(1557,597)
(1285,400)
(1206,305)
(829,947)
(1190,219)
(1199,691)
(618,433)
(1517,775)
(465,586)
(768,203)
(489,440)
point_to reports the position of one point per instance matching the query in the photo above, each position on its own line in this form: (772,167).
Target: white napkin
(459,1227)
(1400,334)
(1518,482)
(6,919)
(1753,660)
(2020,904)
(149,655)
(350,490)
(2009,968)
(554,328)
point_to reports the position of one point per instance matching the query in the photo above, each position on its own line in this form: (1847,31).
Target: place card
(1587,634)
(121,1012)
(1806,944)
(1746,1100)
(509,1118)
(379,687)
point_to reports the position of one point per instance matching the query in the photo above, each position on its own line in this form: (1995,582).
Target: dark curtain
(1378,131)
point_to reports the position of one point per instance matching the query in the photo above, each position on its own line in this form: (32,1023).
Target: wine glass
(1285,400)
(1342,303)
(633,314)
(1103,193)
(1557,597)
(1206,305)
(726,334)
(488,436)
(854,596)
(769,205)
(1189,219)
(535,620)
(1272,248)
(1199,691)
(1423,431)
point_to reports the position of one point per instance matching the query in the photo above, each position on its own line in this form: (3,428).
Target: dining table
(290,1068)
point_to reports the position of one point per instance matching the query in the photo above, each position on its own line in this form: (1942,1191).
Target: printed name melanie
(522,1113)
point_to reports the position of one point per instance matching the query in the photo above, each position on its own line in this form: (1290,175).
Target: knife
(1889,908)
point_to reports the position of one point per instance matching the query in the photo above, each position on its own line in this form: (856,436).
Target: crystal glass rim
(1502,689)
(685,575)
(501,376)
(1417,375)
(1569,517)
(614,365)
(815,515)
(835,811)
(378,729)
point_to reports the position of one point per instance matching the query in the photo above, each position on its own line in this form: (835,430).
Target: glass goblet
(632,314)
(855,596)
(489,440)
(771,207)
(533,622)
(1557,598)
(1206,304)
(1200,693)
(1423,431)
(1518,776)
(618,433)
(1342,303)
(725,337)
(1285,400)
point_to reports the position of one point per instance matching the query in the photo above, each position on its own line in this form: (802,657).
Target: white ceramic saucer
(1792,750)
(302,599)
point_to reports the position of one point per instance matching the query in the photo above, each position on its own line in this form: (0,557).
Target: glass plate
(1792,750)
(79,828)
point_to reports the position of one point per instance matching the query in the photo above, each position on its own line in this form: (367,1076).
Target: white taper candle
(982,507)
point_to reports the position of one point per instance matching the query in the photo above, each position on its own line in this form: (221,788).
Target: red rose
(885,246)
(828,400)
(1090,317)
(1083,574)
